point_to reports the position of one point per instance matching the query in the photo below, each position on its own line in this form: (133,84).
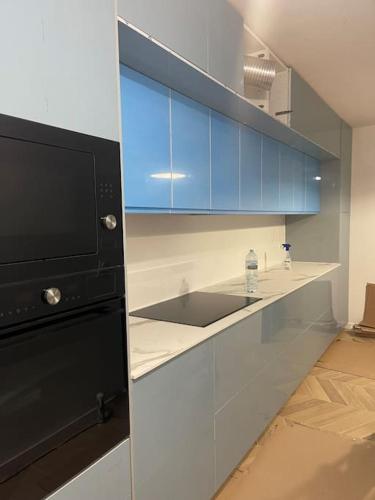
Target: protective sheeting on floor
(299,463)
(322,444)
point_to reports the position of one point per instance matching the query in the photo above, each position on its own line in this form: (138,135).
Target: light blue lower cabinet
(173,429)
(263,362)
(190,126)
(238,425)
(195,418)
(108,478)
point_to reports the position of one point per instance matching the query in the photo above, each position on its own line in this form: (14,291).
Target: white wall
(362,222)
(59,63)
(168,255)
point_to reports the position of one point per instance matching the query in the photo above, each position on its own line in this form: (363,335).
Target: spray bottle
(288,260)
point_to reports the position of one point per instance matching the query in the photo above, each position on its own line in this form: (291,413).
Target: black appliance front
(60,200)
(59,377)
(63,366)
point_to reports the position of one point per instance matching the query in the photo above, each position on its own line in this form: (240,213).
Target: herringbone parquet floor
(334,407)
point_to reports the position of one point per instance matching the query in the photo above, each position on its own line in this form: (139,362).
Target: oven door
(58,378)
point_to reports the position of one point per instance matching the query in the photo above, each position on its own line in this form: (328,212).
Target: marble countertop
(153,343)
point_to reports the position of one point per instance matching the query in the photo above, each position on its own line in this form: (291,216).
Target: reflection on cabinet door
(190,126)
(312,179)
(146,152)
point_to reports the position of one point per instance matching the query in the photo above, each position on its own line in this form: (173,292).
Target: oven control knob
(109,222)
(52,296)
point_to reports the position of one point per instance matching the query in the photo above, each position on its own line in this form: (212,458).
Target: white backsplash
(169,255)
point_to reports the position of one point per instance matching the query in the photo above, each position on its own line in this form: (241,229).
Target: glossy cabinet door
(312,117)
(250,169)
(145,107)
(173,429)
(225,44)
(224,163)
(292,180)
(312,179)
(181,156)
(286,178)
(261,360)
(190,154)
(270,175)
(299,184)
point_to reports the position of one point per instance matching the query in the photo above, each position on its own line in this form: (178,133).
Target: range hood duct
(259,72)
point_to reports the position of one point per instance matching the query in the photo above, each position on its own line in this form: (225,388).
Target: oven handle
(68,318)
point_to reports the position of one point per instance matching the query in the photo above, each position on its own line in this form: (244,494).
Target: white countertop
(153,343)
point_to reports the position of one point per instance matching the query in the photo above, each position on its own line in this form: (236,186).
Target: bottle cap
(286,246)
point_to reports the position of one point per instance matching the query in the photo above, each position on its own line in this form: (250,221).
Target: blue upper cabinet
(181,156)
(292,180)
(286,178)
(270,175)
(312,178)
(145,106)
(299,184)
(250,169)
(190,154)
(224,163)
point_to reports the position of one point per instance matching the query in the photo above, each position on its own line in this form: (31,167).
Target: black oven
(62,331)
(60,205)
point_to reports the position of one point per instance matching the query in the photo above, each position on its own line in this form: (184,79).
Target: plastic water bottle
(251,267)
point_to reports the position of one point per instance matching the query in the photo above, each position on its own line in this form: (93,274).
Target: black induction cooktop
(195,309)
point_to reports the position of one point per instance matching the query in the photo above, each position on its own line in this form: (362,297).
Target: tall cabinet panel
(190,154)
(145,106)
(313,117)
(224,163)
(312,177)
(61,64)
(270,175)
(180,25)
(225,44)
(250,169)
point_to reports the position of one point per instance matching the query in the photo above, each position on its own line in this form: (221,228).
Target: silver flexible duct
(259,72)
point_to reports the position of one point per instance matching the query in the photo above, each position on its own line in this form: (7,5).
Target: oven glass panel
(51,377)
(47,202)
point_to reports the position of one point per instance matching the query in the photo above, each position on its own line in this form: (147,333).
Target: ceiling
(330,43)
